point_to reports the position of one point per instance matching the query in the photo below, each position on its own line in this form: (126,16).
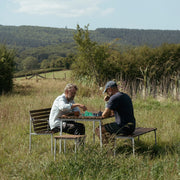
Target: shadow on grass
(143,148)
(22,90)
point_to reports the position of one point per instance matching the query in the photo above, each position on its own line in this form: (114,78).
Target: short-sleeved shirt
(60,107)
(122,106)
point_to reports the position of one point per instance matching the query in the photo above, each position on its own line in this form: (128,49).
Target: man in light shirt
(65,105)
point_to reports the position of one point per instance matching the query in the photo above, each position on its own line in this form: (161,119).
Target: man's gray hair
(69,87)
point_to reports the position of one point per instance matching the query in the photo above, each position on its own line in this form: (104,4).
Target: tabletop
(85,117)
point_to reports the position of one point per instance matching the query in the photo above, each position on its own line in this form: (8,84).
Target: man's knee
(79,129)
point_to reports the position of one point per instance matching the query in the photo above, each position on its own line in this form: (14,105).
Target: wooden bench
(39,124)
(138,132)
(65,137)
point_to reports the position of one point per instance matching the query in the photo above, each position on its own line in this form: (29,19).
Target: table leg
(93,131)
(100,133)
(60,142)
(155,137)
(133,146)
(64,145)
(55,149)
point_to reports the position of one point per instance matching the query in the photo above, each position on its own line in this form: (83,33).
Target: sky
(129,14)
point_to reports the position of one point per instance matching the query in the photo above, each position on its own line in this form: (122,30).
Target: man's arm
(74,113)
(75,109)
(83,107)
(106,113)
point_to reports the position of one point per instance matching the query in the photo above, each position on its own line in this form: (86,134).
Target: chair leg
(133,146)
(55,149)
(29,143)
(60,145)
(51,143)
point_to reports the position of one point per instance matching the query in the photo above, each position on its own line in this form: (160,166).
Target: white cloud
(63,8)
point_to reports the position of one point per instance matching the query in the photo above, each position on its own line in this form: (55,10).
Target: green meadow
(161,161)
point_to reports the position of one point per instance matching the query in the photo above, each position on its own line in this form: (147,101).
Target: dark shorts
(71,127)
(114,128)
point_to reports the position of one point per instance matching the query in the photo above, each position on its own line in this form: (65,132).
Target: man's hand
(106,98)
(83,107)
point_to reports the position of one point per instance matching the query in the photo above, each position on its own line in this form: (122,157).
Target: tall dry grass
(150,162)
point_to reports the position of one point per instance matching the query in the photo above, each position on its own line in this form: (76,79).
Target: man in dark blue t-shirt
(121,105)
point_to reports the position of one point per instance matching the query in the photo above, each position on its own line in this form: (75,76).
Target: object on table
(91,114)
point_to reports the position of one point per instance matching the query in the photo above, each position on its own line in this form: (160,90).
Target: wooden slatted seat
(39,122)
(138,132)
(65,137)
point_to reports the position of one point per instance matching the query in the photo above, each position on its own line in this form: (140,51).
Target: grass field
(150,162)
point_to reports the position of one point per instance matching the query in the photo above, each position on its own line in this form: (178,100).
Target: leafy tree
(150,63)
(6,69)
(91,61)
(67,61)
(30,63)
(53,63)
(45,64)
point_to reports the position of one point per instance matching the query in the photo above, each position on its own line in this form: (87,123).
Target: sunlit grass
(150,162)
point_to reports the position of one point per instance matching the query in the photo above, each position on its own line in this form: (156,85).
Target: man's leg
(108,131)
(57,129)
(71,127)
(74,128)
(105,134)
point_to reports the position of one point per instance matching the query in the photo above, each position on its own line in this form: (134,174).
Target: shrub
(6,69)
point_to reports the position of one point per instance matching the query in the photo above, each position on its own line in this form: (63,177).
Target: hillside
(34,36)
(137,37)
(43,47)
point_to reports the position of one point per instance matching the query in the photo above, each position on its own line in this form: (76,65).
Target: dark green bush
(6,69)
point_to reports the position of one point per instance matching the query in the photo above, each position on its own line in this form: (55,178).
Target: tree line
(104,61)
(55,47)
(96,62)
(147,69)
(34,36)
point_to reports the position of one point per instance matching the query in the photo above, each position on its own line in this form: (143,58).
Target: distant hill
(50,47)
(137,37)
(35,36)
